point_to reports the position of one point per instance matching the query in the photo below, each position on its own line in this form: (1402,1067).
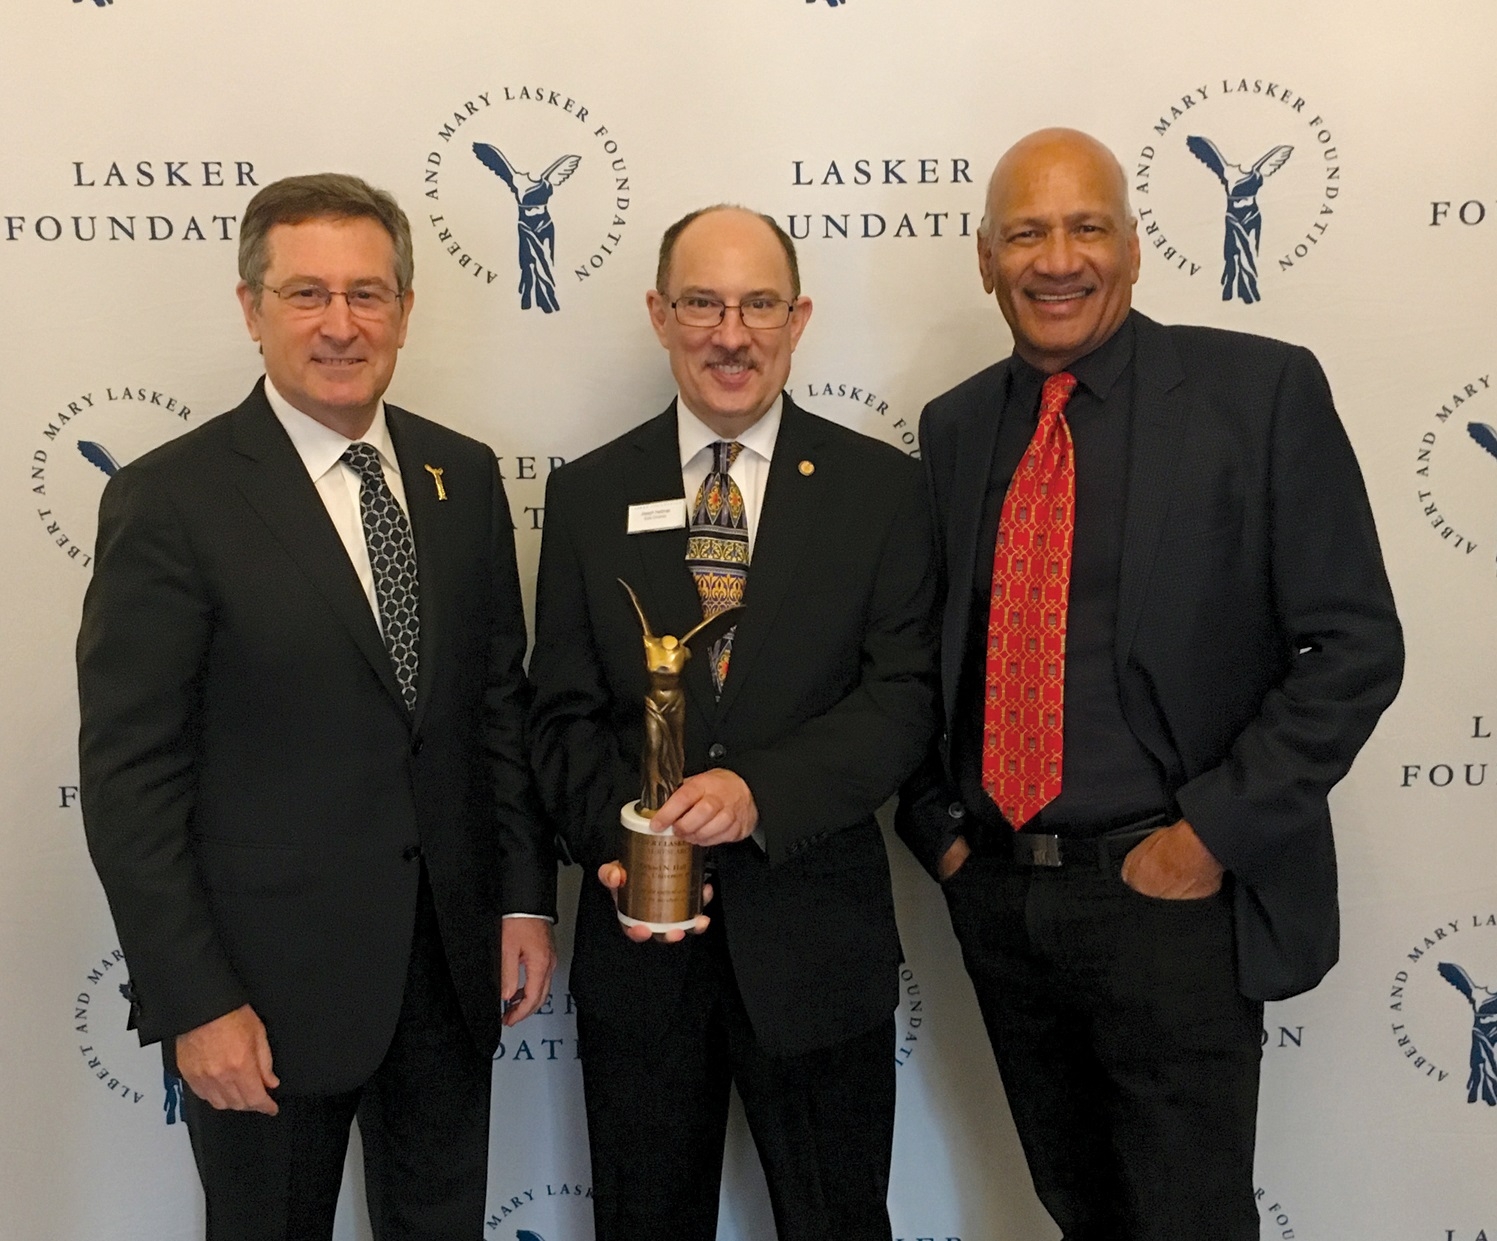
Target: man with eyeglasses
(801,717)
(303,778)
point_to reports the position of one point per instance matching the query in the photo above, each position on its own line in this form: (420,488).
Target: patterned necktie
(1023,711)
(392,557)
(717,549)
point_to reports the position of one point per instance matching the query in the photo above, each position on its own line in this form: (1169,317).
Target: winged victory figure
(537,232)
(1482,1084)
(1244,221)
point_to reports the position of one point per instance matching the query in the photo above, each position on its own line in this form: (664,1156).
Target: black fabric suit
(828,703)
(1256,640)
(259,803)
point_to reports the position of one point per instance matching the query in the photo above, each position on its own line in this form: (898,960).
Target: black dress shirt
(1107,777)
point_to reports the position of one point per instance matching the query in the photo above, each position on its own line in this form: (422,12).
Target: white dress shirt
(321,450)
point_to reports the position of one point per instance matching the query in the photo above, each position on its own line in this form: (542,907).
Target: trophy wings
(1459,979)
(493,159)
(1205,151)
(561,170)
(97,454)
(1483,435)
(1273,161)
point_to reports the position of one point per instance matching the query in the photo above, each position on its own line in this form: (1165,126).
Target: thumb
(263,1059)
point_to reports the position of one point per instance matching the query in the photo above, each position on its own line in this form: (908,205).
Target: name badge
(658,515)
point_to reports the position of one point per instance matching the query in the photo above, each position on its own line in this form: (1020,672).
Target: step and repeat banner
(137,130)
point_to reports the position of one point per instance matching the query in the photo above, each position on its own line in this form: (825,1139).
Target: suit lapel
(431,560)
(274,482)
(977,437)
(662,581)
(1160,409)
(787,516)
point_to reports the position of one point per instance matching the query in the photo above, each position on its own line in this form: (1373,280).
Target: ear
(985,264)
(407,300)
(1133,252)
(660,311)
(251,310)
(800,315)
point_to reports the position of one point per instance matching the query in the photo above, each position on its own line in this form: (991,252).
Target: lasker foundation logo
(1244,168)
(111,1054)
(1442,1005)
(83,443)
(860,408)
(1458,764)
(854,197)
(552,1210)
(1455,474)
(528,192)
(134,200)
(1274,1222)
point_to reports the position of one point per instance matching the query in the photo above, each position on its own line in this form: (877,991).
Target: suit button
(411,854)
(717,751)
(418,744)
(956,810)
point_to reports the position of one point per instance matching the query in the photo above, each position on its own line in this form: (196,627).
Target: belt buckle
(1039,849)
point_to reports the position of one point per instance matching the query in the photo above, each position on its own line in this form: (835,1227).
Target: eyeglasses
(760,313)
(368,301)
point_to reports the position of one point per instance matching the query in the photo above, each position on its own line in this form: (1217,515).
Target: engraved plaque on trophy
(663,886)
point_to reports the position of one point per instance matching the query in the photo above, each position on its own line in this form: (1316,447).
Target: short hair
(320,196)
(673,233)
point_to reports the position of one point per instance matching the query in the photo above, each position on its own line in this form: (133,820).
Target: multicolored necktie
(717,549)
(392,557)
(1023,709)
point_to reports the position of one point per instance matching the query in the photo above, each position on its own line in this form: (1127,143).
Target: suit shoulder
(975,391)
(604,461)
(1200,347)
(436,433)
(190,450)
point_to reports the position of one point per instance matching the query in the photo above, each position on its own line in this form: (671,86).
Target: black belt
(1096,852)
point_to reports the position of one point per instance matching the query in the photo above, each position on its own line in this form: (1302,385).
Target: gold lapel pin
(807,468)
(436,476)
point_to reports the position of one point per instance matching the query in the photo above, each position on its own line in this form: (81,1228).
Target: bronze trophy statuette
(663,886)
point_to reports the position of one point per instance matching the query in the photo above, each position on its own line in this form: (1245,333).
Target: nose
(731,333)
(1060,255)
(337,320)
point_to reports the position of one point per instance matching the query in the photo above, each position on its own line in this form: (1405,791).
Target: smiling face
(1059,249)
(330,364)
(729,375)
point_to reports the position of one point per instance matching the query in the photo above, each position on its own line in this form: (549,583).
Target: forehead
(729,250)
(331,244)
(1057,181)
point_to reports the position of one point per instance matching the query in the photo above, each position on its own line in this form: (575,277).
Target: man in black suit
(827,704)
(303,771)
(1160,714)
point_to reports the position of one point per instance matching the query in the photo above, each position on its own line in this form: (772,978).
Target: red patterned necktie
(1023,707)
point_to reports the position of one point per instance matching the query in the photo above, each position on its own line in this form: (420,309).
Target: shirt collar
(694,435)
(1097,372)
(319,446)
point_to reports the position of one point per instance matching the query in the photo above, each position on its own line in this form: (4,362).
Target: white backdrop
(136,131)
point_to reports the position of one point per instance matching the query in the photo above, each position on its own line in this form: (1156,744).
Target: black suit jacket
(1256,641)
(254,790)
(829,704)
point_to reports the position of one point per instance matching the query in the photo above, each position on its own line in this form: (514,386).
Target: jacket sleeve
(581,771)
(1335,609)
(836,769)
(527,875)
(142,648)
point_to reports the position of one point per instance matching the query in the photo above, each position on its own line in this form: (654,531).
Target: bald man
(801,719)
(1167,631)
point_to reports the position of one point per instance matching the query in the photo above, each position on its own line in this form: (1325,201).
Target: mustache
(729,357)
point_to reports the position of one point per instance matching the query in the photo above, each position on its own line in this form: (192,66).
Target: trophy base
(663,891)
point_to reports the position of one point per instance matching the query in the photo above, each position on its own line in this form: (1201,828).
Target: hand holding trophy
(662,890)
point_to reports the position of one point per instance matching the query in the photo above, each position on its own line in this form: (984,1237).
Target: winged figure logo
(98,455)
(1483,435)
(526,1235)
(1244,221)
(537,231)
(98,3)
(1482,1084)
